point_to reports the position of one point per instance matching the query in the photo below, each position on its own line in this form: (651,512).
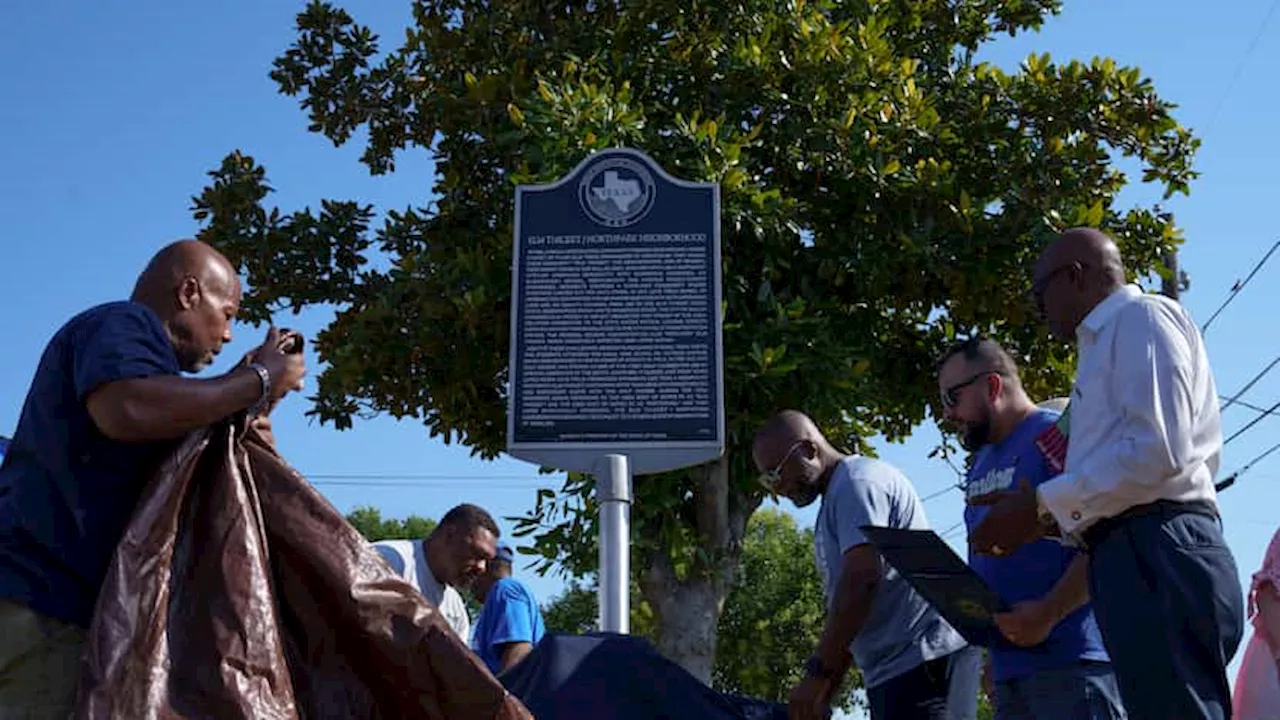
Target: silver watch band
(265,378)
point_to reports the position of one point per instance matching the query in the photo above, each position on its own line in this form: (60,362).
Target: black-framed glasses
(770,479)
(951,395)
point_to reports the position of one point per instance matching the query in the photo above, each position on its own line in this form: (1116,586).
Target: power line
(1231,479)
(1244,60)
(950,530)
(939,493)
(1251,423)
(1252,382)
(1249,406)
(421,485)
(1235,289)
(417,476)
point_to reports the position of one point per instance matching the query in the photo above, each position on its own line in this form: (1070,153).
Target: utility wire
(1235,289)
(424,486)
(1240,66)
(1252,382)
(1248,406)
(939,493)
(427,477)
(1231,479)
(1251,423)
(945,533)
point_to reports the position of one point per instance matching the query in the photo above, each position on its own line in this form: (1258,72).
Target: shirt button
(1075,515)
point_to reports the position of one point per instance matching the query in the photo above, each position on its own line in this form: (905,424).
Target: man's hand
(1012,521)
(808,700)
(284,363)
(1027,624)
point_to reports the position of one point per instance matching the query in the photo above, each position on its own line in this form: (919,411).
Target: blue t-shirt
(903,630)
(510,614)
(66,490)
(1031,571)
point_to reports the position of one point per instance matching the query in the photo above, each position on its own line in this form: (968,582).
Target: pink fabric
(1269,573)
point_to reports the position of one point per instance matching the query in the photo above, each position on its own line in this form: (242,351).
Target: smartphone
(291,341)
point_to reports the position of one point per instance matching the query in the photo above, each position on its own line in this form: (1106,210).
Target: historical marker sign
(615,323)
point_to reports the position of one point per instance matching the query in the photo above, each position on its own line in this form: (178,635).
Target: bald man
(914,665)
(105,406)
(1137,491)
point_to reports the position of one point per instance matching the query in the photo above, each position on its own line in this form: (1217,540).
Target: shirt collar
(1102,313)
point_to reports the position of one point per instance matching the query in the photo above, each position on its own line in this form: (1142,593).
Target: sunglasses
(771,479)
(951,395)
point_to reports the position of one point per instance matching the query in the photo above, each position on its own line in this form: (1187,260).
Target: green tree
(774,614)
(882,192)
(576,610)
(370,523)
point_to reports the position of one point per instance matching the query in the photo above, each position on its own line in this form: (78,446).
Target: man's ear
(995,383)
(189,292)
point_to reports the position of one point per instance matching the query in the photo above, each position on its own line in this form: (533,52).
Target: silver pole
(613,490)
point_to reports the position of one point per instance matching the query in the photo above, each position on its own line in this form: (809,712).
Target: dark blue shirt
(510,614)
(1031,571)
(66,490)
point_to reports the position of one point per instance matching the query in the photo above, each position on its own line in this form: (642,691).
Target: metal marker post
(613,490)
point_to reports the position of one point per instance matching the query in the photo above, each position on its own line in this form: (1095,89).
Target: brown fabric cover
(238,591)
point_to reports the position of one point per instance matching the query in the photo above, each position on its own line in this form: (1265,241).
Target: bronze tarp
(238,591)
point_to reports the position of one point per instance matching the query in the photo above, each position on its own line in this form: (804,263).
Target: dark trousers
(1167,596)
(944,688)
(1086,690)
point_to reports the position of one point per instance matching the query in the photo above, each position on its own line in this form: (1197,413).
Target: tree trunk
(687,609)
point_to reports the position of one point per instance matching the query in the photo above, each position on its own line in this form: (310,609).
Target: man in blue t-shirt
(1054,665)
(914,665)
(510,622)
(104,407)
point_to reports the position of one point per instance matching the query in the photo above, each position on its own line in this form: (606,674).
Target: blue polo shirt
(510,614)
(1032,570)
(66,490)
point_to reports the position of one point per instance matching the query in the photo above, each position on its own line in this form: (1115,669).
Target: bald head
(195,292)
(1078,270)
(177,261)
(1087,246)
(780,432)
(794,458)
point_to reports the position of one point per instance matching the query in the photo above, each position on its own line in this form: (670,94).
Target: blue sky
(112,113)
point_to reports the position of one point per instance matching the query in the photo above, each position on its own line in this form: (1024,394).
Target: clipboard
(944,580)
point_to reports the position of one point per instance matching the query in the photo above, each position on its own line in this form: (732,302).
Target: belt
(1097,533)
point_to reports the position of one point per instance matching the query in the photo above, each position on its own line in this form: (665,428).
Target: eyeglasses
(770,479)
(951,395)
(1040,286)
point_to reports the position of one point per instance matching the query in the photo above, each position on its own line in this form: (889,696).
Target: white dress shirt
(409,559)
(1144,423)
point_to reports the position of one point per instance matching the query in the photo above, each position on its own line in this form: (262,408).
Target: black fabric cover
(604,676)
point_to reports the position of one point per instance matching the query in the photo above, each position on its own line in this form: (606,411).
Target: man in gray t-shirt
(914,665)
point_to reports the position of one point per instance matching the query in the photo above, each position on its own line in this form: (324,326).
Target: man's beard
(804,495)
(976,435)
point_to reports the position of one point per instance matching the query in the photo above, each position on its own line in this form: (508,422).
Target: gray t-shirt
(902,630)
(409,559)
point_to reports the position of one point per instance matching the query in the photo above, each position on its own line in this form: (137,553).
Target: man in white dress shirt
(455,553)
(1137,493)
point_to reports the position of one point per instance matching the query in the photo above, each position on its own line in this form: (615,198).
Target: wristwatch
(264,378)
(813,667)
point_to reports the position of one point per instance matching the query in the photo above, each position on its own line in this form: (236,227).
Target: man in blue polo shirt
(510,622)
(1054,665)
(105,406)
